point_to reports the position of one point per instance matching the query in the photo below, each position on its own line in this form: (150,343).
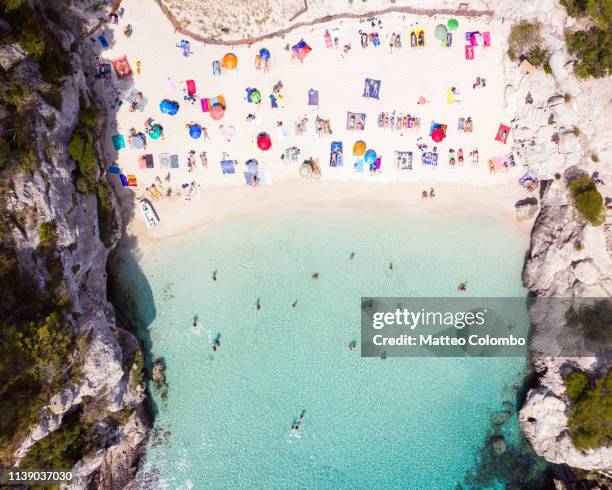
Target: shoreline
(218,204)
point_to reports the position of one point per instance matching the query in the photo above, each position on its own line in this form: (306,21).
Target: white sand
(406,74)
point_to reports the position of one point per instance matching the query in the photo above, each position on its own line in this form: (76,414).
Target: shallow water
(401,423)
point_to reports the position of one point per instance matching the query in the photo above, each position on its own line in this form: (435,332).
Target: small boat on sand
(148,213)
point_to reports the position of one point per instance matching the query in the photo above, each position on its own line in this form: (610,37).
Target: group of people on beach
(398,122)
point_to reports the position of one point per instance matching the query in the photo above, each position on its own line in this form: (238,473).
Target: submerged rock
(498,445)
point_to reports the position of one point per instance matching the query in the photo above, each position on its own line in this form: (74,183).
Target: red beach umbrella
(264,142)
(437,135)
(217,112)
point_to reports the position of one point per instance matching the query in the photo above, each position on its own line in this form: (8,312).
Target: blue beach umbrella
(264,54)
(168,107)
(195,131)
(370,157)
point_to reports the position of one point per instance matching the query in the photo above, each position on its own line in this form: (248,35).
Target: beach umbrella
(263,141)
(255,96)
(452,24)
(440,32)
(359,148)
(195,131)
(264,54)
(217,111)
(370,157)
(251,165)
(437,135)
(138,141)
(306,170)
(169,107)
(230,61)
(155,131)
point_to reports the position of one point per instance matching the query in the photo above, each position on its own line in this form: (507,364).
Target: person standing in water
(258,305)
(294,304)
(390,266)
(214,275)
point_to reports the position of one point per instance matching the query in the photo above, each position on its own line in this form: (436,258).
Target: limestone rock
(526,208)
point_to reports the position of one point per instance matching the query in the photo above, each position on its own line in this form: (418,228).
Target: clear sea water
(402,423)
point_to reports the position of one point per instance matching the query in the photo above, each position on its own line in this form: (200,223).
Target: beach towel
(164,160)
(124,180)
(358,165)
(122,67)
(113,169)
(313,97)
(216,67)
(142,100)
(103,41)
(502,133)
(118,141)
(174,161)
(450,96)
(335,155)
(248,177)
(132,181)
(469,52)
(185,47)
(228,166)
(191,88)
(403,160)
(355,121)
(264,177)
(429,158)
(149,160)
(142,162)
(205,105)
(371,88)
(486,39)
(273,102)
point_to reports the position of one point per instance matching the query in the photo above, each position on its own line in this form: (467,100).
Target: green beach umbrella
(452,24)
(155,132)
(440,32)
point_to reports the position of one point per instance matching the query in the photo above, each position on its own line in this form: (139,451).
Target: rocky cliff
(51,221)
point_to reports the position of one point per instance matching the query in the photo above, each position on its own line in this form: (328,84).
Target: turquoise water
(401,423)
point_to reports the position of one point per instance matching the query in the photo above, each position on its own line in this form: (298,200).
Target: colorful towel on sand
(118,141)
(371,88)
(228,166)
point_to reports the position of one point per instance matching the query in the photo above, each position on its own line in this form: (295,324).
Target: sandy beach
(406,74)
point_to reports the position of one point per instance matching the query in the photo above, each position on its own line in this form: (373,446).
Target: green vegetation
(61,449)
(575,384)
(525,41)
(136,372)
(82,150)
(106,214)
(47,235)
(52,96)
(588,200)
(592,47)
(594,319)
(37,39)
(590,416)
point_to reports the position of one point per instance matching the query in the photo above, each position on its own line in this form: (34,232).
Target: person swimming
(195,320)
(352,256)
(294,304)
(315,276)
(462,287)
(390,266)
(352,345)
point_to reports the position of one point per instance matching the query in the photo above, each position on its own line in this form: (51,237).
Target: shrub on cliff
(592,47)
(588,200)
(81,149)
(590,418)
(526,41)
(575,384)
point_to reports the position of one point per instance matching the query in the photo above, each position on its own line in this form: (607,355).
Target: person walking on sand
(432,193)
(205,133)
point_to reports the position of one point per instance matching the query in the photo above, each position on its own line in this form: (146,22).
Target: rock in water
(158,373)
(526,208)
(498,445)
